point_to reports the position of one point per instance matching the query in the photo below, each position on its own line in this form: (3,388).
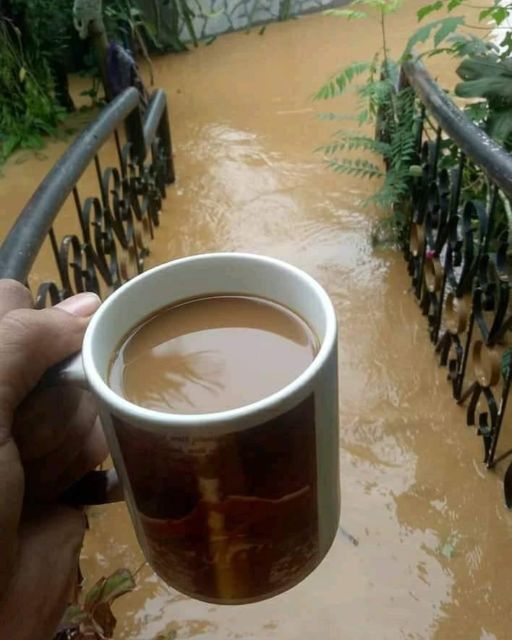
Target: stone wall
(220,16)
(214,17)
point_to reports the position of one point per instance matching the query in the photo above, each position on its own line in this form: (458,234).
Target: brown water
(426,541)
(212,354)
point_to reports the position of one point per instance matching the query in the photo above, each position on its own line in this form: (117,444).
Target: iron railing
(457,248)
(115,224)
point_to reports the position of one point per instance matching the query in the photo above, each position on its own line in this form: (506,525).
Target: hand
(48,439)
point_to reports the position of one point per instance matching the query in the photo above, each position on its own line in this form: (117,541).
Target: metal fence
(458,253)
(115,224)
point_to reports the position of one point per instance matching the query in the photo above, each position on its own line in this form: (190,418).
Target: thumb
(32,341)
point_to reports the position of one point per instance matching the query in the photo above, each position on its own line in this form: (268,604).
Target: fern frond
(378,93)
(439,29)
(331,148)
(337,84)
(363,117)
(347,141)
(397,115)
(359,168)
(392,189)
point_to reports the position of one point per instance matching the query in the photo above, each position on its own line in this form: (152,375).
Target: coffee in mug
(212,354)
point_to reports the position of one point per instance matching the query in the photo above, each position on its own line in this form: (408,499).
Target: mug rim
(122,406)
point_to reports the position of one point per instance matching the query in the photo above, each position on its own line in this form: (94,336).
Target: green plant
(490,77)
(486,67)
(91,617)
(46,26)
(28,110)
(380,101)
(486,71)
(33,87)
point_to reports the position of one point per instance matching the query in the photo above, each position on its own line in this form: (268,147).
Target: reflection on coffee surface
(212,354)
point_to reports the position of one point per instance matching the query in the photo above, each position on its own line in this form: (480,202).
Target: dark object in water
(123,72)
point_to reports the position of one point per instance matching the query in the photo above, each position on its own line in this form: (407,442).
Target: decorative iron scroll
(116,223)
(457,248)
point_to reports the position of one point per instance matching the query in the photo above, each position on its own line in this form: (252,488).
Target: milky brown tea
(232,517)
(212,354)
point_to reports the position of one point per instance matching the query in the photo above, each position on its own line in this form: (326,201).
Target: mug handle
(96,487)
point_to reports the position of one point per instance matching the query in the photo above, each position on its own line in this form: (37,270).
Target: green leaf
(428,9)
(441,29)
(477,111)
(490,88)
(447,27)
(359,167)
(337,84)
(384,6)
(363,117)
(74,615)
(10,144)
(33,141)
(447,550)
(499,125)
(350,14)
(463,44)
(106,590)
(485,66)
(499,14)
(350,141)
(453,4)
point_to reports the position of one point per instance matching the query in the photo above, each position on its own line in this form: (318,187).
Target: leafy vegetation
(34,97)
(379,101)
(485,71)
(91,618)
(38,46)
(28,109)
(36,40)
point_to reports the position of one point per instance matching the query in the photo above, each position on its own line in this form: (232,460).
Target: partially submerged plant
(91,618)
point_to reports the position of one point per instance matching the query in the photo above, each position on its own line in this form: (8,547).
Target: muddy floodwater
(425,542)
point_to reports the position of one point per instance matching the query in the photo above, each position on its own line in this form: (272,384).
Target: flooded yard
(425,539)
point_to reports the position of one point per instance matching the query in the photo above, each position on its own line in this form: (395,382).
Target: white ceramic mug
(202,534)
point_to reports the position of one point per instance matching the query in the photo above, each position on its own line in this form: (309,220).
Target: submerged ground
(426,541)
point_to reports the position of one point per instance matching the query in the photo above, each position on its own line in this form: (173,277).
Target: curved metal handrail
(473,141)
(21,246)
(458,255)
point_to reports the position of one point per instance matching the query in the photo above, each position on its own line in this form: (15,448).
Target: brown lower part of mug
(231,519)
(236,600)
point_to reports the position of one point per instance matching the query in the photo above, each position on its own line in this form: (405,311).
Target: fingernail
(82,305)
